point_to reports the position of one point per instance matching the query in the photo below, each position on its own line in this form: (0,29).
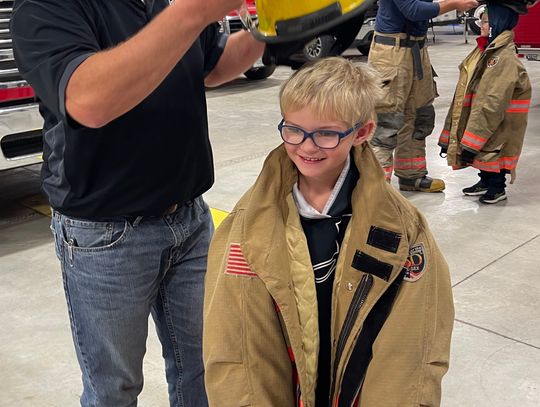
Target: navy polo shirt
(405,16)
(144,161)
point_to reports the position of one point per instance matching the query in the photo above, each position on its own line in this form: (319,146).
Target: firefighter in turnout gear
(487,119)
(405,114)
(325,286)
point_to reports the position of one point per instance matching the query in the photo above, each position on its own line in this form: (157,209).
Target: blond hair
(333,88)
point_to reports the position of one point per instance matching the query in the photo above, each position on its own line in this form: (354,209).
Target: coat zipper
(357,302)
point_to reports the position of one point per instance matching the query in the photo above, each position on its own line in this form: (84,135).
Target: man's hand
(461,5)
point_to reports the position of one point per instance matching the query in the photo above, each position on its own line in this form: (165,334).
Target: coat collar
(502,40)
(266,209)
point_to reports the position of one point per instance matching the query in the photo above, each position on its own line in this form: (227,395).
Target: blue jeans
(116,274)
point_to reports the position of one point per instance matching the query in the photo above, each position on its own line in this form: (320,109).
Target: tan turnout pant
(405,113)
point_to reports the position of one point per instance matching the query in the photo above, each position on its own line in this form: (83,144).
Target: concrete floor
(491,251)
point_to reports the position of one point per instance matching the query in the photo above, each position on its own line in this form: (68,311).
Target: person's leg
(484,177)
(391,63)
(178,308)
(410,155)
(384,140)
(110,272)
(496,184)
(497,181)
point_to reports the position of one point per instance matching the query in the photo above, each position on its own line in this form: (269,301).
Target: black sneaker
(491,198)
(477,189)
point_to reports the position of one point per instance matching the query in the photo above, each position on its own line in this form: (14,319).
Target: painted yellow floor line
(39,204)
(217,216)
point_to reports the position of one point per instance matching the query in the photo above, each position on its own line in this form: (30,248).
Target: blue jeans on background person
(117,273)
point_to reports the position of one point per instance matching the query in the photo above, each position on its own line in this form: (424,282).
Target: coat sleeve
(491,99)
(444,137)
(411,353)
(245,356)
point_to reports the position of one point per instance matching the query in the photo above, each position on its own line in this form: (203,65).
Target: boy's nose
(309,145)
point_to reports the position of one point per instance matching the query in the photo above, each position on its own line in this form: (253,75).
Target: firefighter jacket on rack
(392,307)
(488,115)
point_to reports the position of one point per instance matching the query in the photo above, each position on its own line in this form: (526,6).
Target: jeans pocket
(84,235)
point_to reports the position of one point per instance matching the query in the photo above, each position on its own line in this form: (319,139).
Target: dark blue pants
(495,181)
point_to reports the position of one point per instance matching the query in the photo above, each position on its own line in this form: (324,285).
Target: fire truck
(527,34)
(21,140)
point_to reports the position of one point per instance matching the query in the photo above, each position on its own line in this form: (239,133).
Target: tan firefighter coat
(488,115)
(260,309)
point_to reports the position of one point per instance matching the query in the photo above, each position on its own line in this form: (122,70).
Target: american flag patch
(236,262)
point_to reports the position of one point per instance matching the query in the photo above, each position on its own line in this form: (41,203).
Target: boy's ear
(364,133)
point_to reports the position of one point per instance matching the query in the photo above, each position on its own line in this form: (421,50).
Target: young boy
(486,122)
(324,285)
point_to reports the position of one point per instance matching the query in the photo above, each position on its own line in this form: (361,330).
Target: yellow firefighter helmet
(291,20)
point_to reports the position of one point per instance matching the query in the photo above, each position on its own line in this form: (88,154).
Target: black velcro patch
(383,239)
(364,262)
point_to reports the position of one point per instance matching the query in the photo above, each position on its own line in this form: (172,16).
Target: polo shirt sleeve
(418,10)
(213,43)
(51,39)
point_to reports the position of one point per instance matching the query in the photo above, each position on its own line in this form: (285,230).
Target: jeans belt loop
(136,222)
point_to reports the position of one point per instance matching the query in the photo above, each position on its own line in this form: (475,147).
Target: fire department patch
(492,62)
(236,262)
(416,263)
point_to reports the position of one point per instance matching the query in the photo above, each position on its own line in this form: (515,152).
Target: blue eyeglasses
(325,139)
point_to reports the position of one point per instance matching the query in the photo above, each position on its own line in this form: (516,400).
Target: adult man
(406,115)
(126,159)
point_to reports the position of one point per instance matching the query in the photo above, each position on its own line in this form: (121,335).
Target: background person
(121,87)
(405,114)
(323,275)
(485,125)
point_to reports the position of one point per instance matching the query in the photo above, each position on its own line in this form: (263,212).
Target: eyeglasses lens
(325,139)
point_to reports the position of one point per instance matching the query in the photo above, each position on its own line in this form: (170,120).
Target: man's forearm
(241,51)
(112,82)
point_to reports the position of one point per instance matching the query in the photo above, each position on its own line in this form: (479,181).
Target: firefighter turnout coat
(260,341)
(488,115)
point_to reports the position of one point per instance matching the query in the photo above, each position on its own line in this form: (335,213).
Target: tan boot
(424,184)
